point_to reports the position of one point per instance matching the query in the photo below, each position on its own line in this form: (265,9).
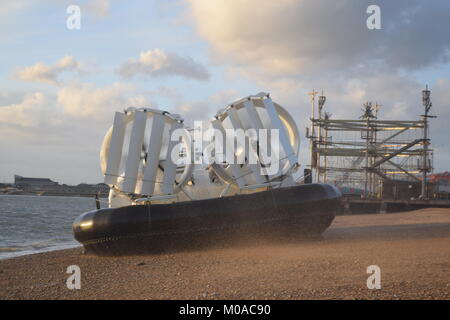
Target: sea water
(31,224)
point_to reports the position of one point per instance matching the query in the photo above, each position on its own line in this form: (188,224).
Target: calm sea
(31,224)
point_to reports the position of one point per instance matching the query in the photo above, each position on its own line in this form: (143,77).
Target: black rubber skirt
(302,210)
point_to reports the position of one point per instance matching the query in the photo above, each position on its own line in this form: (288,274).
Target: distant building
(441,181)
(45,186)
(27,183)
(442,178)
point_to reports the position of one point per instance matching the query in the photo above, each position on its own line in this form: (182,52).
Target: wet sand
(411,248)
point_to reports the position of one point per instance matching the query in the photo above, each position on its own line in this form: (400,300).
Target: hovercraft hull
(301,210)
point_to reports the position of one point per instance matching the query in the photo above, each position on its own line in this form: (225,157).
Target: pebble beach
(412,250)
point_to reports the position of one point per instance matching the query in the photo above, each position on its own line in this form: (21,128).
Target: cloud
(289,47)
(16,113)
(289,37)
(83,100)
(43,73)
(75,102)
(10,8)
(99,8)
(28,113)
(158,63)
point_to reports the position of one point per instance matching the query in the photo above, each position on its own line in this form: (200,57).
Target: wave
(36,247)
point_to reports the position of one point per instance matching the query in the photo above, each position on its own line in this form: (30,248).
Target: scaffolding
(368,153)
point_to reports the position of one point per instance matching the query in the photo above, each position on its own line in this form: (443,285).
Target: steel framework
(368,152)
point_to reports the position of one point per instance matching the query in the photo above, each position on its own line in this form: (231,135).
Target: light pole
(312,134)
(426,101)
(322,100)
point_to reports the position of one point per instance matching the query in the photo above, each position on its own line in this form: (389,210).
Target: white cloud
(75,102)
(157,62)
(28,113)
(43,73)
(84,100)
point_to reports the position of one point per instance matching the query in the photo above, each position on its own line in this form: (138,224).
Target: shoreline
(411,249)
(22,253)
(54,195)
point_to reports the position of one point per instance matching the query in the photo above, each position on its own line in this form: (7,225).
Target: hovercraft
(233,176)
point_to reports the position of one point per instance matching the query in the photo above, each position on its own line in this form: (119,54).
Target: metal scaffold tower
(369,154)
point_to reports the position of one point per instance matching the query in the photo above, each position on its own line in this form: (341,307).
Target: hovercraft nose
(83,225)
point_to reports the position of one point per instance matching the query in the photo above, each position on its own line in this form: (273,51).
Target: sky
(60,87)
